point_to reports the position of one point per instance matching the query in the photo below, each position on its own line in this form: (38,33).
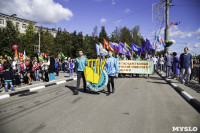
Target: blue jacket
(81,63)
(112,66)
(57,65)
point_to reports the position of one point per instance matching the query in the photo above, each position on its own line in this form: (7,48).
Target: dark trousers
(57,71)
(110,80)
(80,74)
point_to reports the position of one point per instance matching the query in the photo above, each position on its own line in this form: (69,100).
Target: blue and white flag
(149,45)
(103,52)
(136,48)
(123,49)
(24,56)
(114,46)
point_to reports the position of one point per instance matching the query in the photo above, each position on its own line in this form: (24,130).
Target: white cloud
(176,32)
(113,2)
(174,41)
(197,45)
(42,11)
(103,20)
(127,10)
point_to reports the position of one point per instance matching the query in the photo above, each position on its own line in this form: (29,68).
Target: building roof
(14,16)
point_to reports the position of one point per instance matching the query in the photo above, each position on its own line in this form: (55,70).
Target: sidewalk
(193,88)
(58,79)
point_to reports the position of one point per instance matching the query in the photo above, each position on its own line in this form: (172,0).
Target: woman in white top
(154,62)
(161,62)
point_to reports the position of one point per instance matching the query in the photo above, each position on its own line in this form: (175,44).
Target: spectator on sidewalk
(176,70)
(161,62)
(52,68)
(45,67)
(29,71)
(168,61)
(8,76)
(71,68)
(57,66)
(155,63)
(185,64)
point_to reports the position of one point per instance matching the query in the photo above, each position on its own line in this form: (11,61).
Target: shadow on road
(72,88)
(156,82)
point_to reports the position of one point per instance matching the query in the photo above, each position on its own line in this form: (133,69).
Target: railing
(195,75)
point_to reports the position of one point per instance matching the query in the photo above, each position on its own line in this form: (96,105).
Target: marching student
(137,58)
(81,62)
(112,68)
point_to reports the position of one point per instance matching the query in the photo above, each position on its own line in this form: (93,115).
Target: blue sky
(84,15)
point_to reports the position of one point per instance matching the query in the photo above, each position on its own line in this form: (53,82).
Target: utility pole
(167,25)
(39,44)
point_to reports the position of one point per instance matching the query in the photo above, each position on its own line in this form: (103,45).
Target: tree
(8,36)
(103,35)
(115,36)
(126,36)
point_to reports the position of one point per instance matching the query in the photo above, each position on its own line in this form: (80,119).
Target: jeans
(37,74)
(110,81)
(70,72)
(168,71)
(80,74)
(161,67)
(154,70)
(51,76)
(6,86)
(57,71)
(183,74)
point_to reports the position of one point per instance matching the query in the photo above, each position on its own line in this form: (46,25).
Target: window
(2,21)
(24,26)
(17,24)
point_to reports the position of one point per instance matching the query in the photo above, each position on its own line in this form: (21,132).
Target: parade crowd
(16,72)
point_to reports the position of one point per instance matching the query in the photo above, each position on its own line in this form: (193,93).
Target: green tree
(103,35)
(8,36)
(126,36)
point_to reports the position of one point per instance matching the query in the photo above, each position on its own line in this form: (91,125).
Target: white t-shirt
(154,60)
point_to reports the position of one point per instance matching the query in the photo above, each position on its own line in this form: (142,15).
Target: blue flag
(136,48)
(97,49)
(123,49)
(149,45)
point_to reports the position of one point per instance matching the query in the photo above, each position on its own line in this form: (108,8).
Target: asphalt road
(139,105)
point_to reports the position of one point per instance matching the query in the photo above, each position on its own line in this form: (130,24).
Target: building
(21,23)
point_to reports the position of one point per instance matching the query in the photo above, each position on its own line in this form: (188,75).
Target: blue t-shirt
(185,60)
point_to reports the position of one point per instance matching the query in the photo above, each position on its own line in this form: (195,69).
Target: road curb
(35,88)
(194,102)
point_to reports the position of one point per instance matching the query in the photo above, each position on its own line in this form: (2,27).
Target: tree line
(67,43)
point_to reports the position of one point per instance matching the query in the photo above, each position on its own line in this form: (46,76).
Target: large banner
(136,67)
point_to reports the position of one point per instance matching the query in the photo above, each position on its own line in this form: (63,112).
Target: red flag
(172,23)
(107,45)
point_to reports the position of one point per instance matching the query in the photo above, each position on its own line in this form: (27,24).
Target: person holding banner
(112,68)
(137,58)
(123,58)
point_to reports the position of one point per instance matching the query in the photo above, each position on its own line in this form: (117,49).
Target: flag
(136,48)
(24,56)
(103,52)
(114,46)
(143,48)
(127,45)
(160,41)
(97,49)
(149,45)
(106,45)
(174,23)
(157,44)
(123,49)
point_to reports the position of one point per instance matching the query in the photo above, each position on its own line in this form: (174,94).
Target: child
(8,76)
(45,67)
(71,67)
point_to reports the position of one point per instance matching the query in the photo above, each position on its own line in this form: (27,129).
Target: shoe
(75,92)
(113,90)
(108,94)
(6,91)
(13,90)
(84,90)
